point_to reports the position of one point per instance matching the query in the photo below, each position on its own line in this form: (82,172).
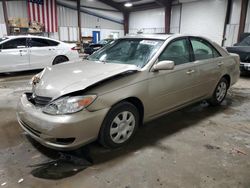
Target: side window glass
(177,51)
(37,42)
(52,43)
(202,50)
(14,44)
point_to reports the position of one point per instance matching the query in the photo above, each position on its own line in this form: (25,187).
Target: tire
(59,59)
(119,125)
(220,92)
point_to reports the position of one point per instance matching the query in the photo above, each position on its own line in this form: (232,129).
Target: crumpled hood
(66,78)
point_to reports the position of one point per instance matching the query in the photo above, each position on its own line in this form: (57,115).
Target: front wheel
(220,92)
(119,126)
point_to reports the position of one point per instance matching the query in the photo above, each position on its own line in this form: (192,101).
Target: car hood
(66,78)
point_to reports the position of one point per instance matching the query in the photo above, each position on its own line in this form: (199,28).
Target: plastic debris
(4,183)
(20,180)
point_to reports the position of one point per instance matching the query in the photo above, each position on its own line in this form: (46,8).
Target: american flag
(43,11)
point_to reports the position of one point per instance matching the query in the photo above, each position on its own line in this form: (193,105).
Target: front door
(170,89)
(96,36)
(14,55)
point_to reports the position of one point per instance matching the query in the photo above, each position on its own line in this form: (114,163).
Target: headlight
(69,105)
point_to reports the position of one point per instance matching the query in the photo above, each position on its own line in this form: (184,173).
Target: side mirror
(164,65)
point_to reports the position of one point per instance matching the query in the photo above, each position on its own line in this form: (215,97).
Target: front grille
(38,100)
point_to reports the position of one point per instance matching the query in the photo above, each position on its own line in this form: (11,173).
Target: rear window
(38,42)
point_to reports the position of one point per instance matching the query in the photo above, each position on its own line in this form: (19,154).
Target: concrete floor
(199,146)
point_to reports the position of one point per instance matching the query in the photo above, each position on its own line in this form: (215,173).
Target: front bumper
(244,67)
(64,132)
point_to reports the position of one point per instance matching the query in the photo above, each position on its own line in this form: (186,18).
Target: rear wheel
(220,92)
(59,59)
(119,126)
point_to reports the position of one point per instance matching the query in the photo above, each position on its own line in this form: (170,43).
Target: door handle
(220,64)
(190,71)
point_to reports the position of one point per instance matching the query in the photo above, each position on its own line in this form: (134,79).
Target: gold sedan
(130,81)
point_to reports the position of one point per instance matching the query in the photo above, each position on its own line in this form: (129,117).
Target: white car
(18,53)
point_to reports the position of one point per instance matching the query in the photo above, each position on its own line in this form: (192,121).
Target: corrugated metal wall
(247,26)
(66,17)
(17,9)
(232,29)
(2,23)
(153,23)
(68,30)
(1,13)
(89,21)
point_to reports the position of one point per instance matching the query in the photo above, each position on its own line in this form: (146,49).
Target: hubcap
(122,127)
(221,91)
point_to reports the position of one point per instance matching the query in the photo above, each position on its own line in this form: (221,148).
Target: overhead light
(128,4)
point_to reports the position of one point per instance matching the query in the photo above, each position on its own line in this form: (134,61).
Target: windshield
(128,51)
(245,42)
(2,39)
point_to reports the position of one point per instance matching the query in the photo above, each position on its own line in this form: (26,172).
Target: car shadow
(64,164)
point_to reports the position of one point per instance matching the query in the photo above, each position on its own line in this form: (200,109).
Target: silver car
(131,81)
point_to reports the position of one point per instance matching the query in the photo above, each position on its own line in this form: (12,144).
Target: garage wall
(247,26)
(205,18)
(175,19)
(17,9)
(2,22)
(232,28)
(149,21)
(68,23)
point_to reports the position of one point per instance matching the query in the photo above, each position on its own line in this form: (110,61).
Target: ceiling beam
(146,6)
(114,5)
(161,2)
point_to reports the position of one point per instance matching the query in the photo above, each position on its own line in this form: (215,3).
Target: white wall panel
(17,9)
(3,31)
(149,21)
(66,17)
(232,28)
(89,21)
(247,26)
(1,13)
(175,19)
(204,18)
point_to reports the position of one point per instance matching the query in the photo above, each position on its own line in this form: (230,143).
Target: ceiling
(138,5)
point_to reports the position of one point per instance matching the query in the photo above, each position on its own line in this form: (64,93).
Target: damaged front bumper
(64,132)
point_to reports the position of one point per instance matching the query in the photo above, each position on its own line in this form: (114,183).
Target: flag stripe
(38,12)
(45,12)
(56,21)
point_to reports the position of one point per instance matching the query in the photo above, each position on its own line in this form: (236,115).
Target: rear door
(209,63)
(14,55)
(170,89)
(42,52)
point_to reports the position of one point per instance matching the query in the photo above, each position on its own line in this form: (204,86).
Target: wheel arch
(137,103)
(228,78)
(58,57)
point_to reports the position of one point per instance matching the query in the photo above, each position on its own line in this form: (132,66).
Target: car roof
(162,36)
(28,36)
(149,36)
